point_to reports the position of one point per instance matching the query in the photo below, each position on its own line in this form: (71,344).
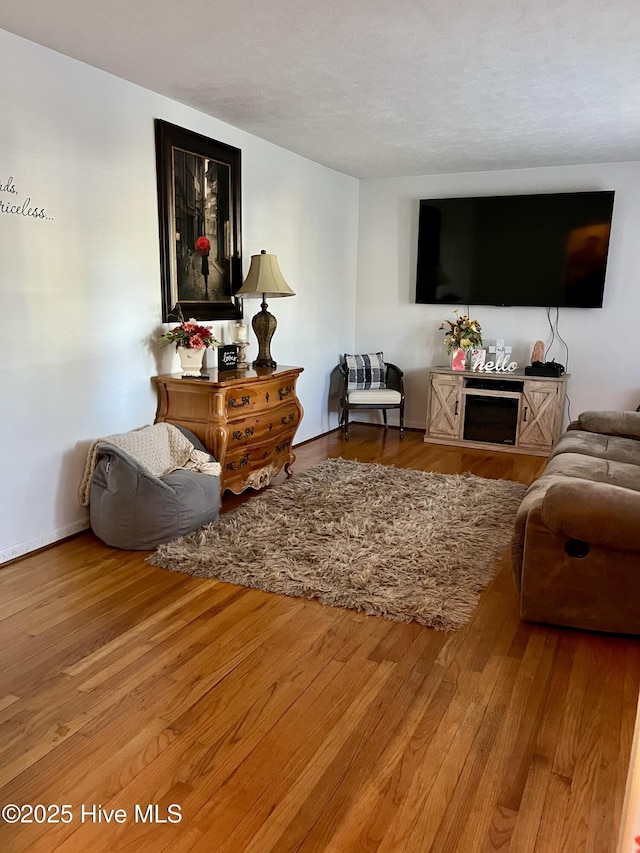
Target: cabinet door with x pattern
(540,414)
(443,408)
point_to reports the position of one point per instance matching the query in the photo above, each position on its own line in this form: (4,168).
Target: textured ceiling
(377,88)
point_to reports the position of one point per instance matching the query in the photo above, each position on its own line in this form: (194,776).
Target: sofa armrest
(625,424)
(597,513)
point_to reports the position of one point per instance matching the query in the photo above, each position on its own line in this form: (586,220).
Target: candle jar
(240,333)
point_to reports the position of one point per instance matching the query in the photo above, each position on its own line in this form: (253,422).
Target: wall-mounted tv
(545,250)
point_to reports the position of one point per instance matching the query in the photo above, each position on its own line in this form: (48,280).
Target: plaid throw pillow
(365,372)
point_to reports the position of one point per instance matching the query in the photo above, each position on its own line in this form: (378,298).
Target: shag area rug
(387,541)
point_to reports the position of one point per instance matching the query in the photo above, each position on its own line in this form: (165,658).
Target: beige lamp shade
(264,278)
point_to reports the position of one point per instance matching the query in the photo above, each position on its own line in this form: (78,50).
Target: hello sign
(500,365)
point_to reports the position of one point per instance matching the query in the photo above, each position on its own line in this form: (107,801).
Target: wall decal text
(14,207)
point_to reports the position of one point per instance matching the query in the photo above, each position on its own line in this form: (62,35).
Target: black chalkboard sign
(228,357)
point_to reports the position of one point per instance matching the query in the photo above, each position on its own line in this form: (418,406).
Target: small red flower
(203,246)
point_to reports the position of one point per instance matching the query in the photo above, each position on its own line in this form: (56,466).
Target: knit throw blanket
(160,449)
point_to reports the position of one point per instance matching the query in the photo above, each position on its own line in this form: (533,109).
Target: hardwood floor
(277,724)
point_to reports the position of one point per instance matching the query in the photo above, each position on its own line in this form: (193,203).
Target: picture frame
(478,358)
(199,217)
(228,357)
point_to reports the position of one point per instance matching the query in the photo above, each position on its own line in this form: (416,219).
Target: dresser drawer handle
(238,435)
(287,419)
(284,392)
(233,403)
(232,466)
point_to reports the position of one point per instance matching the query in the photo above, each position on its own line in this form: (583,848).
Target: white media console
(504,411)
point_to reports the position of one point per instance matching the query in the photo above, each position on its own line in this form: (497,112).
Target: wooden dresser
(247,419)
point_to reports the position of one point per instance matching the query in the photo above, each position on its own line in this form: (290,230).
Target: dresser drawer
(242,399)
(260,427)
(254,466)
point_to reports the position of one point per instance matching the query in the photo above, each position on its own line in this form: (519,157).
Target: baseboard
(51,537)
(315,437)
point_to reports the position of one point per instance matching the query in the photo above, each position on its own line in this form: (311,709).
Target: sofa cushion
(596,470)
(380,397)
(612,447)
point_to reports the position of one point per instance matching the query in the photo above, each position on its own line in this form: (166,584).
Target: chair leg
(402,421)
(345,422)
(384,418)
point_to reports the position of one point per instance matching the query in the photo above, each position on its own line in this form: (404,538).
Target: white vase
(191,360)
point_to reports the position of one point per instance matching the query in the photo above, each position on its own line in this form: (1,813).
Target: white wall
(604,353)
(81,287)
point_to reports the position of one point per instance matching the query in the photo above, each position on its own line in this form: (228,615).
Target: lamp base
(264,325)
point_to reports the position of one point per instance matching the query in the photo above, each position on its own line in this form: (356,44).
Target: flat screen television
(525,250)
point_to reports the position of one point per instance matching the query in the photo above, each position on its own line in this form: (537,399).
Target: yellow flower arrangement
(462,334)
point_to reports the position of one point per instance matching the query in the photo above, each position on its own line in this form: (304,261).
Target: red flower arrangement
(189,335)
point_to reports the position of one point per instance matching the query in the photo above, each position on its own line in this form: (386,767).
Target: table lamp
(264,279)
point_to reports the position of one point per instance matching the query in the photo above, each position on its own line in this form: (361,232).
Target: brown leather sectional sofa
(576,545)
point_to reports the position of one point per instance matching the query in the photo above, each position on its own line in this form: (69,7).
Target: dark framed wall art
(199,209)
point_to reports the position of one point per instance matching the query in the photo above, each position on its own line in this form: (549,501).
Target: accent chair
(369,382)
